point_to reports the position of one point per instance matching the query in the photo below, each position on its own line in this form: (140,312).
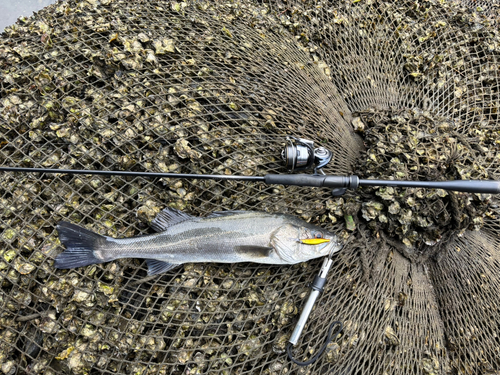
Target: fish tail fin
(80,245)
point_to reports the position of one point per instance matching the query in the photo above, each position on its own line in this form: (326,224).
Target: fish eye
(318,235)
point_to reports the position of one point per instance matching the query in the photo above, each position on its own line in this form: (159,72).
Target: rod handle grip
(350,182)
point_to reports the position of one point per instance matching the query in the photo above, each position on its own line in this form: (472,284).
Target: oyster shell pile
(214,87)
(419,145)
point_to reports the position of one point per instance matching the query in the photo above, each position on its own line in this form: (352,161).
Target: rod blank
(469,186)
(133,174)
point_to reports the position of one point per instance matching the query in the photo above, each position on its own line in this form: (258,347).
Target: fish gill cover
(403,90)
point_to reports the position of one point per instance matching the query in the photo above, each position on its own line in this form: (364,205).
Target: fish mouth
(314,241)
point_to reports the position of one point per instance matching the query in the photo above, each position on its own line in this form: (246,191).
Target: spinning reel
(299,155)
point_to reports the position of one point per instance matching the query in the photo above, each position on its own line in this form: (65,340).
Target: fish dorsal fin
(226,213)
(254,251)
(168,217)
(156,267)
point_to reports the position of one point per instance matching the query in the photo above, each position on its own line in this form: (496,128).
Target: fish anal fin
(254,251)
(168,217)
(156,267)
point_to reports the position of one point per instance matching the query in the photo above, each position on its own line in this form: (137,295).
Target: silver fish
(222,237)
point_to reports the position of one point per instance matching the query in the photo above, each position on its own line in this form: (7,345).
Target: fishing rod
(299,154)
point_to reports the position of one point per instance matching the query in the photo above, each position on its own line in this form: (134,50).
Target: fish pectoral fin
(156,267)
(254,251)
(282,249)
(169,217)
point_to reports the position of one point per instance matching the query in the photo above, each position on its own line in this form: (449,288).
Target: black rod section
(468,186)
(134,174)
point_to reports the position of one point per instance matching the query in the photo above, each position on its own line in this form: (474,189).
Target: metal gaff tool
(316,289)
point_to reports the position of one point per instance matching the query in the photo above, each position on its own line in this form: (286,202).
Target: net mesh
(201,87)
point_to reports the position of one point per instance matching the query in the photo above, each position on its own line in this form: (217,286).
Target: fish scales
(214,243)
